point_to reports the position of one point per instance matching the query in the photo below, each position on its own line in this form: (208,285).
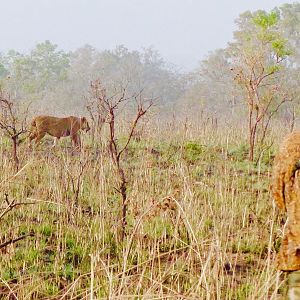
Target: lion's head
(84,124)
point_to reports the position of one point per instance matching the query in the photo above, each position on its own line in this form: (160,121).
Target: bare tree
(12,122)
(111,106)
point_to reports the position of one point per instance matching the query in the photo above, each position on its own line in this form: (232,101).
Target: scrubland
(201,222)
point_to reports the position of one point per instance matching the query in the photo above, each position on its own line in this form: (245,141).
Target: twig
(12,241)
(11,205)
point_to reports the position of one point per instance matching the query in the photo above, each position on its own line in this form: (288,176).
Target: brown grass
(201,223)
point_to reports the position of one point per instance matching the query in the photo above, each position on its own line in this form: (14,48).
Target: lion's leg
(39,137)
(31,137)
(75,140)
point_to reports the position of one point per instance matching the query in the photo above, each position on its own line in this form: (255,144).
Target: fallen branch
(12,241)
(12,204)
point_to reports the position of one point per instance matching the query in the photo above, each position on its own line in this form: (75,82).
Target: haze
(183,31)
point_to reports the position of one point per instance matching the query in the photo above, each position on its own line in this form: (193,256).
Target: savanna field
(168,195)
(201,223)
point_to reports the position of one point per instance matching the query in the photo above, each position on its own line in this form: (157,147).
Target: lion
(285,188)
(57,127)
(286,163)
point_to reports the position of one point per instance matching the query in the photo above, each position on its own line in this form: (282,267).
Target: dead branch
(111,106)
(12,122)
(10,205)
(12,241)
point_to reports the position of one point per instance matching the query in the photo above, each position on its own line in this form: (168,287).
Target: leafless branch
(12,122)
(12,241)
(12,204)
(111,105)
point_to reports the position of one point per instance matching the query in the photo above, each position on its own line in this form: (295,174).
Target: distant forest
(262,61)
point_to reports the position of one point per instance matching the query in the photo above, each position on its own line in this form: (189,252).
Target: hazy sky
(183,31)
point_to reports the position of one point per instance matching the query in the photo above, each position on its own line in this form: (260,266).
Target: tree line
(254,78)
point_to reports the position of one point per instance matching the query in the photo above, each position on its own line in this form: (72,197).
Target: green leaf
(280,47)
(266,20)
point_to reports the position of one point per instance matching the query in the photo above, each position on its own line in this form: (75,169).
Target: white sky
(183,31)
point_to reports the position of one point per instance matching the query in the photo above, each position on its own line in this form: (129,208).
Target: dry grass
(201,221)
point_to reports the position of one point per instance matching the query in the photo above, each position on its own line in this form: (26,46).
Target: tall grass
(201,221)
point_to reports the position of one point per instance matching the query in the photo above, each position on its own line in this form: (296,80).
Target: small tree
(96,107)
(12,122)
(258,55)
(110,106)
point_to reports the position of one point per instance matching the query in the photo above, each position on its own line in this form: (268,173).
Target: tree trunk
(15,154)
(123,191)
(251,145)
(251,133)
